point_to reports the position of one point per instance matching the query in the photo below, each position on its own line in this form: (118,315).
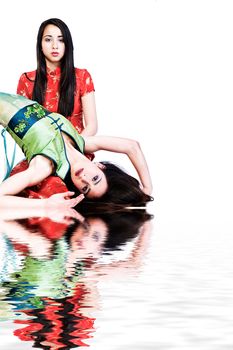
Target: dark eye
(85,189)
(95,178)
(95,236)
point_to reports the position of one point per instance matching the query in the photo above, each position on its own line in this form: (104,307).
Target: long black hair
(123,190)
(67,84)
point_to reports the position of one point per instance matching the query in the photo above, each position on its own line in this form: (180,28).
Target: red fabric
(53,184)
(50,229)
(49,186)
(84,85)
(26,333)
(50,324)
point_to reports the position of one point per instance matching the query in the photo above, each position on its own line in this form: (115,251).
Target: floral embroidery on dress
(84,85)
(34,110)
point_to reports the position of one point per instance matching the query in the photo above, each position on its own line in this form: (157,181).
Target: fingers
(80,198)
(67,194)
(63,199)
(75,215)
(74,201)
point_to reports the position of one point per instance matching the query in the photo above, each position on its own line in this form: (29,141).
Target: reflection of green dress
(37,279)
(37,131)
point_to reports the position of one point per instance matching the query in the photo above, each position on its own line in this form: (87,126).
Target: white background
(163,75)
(114,40)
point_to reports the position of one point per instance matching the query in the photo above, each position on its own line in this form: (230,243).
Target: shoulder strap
(8,165)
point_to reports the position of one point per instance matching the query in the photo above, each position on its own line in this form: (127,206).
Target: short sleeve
(24,87)
(86,83)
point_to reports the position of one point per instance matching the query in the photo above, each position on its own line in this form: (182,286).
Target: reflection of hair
(123,189)
(122,225)
(68,81)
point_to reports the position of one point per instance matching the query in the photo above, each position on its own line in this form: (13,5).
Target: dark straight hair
(123,190)
(67,84)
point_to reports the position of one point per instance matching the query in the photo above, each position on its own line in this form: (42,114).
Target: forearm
(89,115)
(39,168)
(90,130)
(12,206)
(14,184)
(128,147)
(139,162)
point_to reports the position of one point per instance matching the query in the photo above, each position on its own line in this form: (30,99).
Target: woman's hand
(63,200)
(59,207)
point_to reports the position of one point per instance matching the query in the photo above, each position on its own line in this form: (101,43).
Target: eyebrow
(59,36)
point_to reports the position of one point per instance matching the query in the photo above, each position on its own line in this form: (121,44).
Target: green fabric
(44,136)
(39,278)
(10,104)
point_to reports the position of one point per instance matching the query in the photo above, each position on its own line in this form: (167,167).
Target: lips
(55,54)
(79,172)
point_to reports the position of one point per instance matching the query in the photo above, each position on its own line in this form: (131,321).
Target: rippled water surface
(165,288)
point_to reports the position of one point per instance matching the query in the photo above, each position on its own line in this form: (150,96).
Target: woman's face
(88,238)
(89,178)
(53,46)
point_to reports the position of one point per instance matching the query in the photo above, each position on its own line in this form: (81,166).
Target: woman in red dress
(56,83)
(59,87)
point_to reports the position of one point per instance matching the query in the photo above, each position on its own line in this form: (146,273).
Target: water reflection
(50,270)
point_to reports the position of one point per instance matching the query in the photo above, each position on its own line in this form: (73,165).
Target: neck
(52,65)
(72,154)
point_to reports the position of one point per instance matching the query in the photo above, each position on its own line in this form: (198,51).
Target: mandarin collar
(52,73)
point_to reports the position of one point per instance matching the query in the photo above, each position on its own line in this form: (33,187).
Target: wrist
(148,190)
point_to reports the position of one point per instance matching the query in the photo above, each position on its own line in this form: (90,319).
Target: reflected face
(89,179)
(52,43)
(89,237)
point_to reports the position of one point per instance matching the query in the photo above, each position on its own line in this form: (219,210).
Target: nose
(84,179)
(55,45)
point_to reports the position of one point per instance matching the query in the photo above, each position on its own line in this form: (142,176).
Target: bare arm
(128,147)
(39,168)
(58,205)
(89,113)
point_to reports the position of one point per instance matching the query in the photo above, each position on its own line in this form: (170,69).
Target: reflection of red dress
(60,323)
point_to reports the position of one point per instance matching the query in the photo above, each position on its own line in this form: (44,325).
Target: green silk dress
(37,131)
